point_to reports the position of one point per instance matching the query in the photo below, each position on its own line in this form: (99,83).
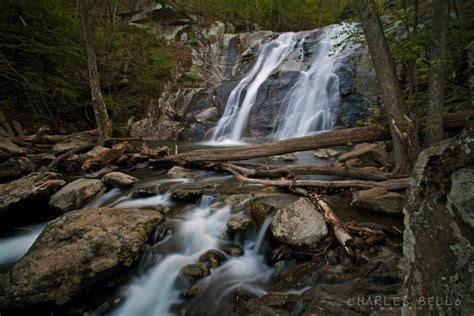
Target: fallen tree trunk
(106,158)
(261,171)
(321,140)
(389,185)
(52,139)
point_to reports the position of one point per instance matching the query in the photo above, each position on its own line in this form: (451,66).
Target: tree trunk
(100,109)
(434,120)
(402,129)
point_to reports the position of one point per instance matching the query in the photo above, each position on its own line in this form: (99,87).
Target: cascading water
(13,247)
(310,104)
(232,124)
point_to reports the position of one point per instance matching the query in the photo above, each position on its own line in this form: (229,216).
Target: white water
(14,247)
(310,104)
(232,124)
(202,229)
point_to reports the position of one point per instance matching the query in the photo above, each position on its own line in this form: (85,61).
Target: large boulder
(192,193)
(9,149)
(15,168)
(32,190)
(238,223)
(119,179)
(438,240)
(380,200)
(77,252)
(76,194)
(299,224)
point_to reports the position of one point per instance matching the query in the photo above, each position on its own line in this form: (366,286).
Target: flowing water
(309,105)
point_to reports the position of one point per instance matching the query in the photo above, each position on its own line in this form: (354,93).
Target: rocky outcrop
(380,200)
(438,243)
(118,179)
(76,253)
(28,194)
(299,224)
(76,194)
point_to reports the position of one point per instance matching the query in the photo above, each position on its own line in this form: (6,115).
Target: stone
(299,224)
(238,223)
(76,194)
(369,154)
(325,153)
(238,200)
(380,200)
(119,179)
(207,115)
(73,163)
(102,172)
(9,149)
(180,172)
(77,253)
(41,159)
(286,157)
(145,192)
(97,151)
(15,168)
(192,193)
(195,271)
(33,189)
(234,250)
(212,258)
(461,195)
(192,291)
(71,144)
(260,209)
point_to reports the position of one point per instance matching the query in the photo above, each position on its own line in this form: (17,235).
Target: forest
(236,157)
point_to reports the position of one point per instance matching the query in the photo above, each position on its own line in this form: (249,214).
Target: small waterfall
(232,124)
(14,247)
(310,104)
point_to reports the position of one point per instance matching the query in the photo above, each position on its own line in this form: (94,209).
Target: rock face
(118,179)
(76,194)
(299,224)
(9,149)
(380,200)
(33,190)
(438,243)
(77,252)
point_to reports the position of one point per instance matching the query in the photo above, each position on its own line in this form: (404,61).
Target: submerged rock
(380,200)
(145,192)
(299,224)
(119,179)
(238,223)
(77,253)
(213,258)
(234,250)
(76,194)
(286,157)
(192,193)
(31,190)
(195,271)
(325,153)
(192,291)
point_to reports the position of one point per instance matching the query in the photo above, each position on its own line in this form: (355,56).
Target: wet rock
(76,253)
(180,172)
(260,209)
(213,258)
(71,144)
(192,193)
(234,250)
(102,172)
(15,168)
(73,163)
(238,200)
(238,223)
(119,179)
(76,194)
(9,149)
(33,189)
(369,154)
(286,157)
(41,159)
(325,153)
(97,151)
(145,192)
(195,271)
(192,291)
(461,195)
(299,224)
(207,115)
(379,200)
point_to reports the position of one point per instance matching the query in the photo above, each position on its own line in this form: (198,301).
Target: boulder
(33,189)
(9,149)
(212,258)
(180,172)
(76,253)
(461,195)
(119,179)
(260,209)
(73,143)
(192,291)
(73,163)
(41,159)
(238,200)
(76,194)
(145,192)
(234,250)
(195,271)
(238,223)
(102,172)
(325,153)
(15,168)
(299,224)
(97,151)
(192,193)
(379,200)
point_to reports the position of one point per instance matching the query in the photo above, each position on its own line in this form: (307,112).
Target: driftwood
(321,140)
(71,152)
(261,171)
(389,185)
(41,138)
(106,158)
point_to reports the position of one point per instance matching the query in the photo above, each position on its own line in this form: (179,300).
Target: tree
(98,103)
(402,129)
(436,85)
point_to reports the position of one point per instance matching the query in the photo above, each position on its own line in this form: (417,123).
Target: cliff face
(219,58)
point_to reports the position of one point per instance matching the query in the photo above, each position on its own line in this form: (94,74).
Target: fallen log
(389,185)
(321,140)
(41,138)
(106,158)
(261,171)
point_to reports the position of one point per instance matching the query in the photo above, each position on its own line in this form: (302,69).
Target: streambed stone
(119,179)
(76,194)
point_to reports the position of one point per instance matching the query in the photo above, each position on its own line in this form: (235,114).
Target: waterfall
(232,124)
(309,106)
